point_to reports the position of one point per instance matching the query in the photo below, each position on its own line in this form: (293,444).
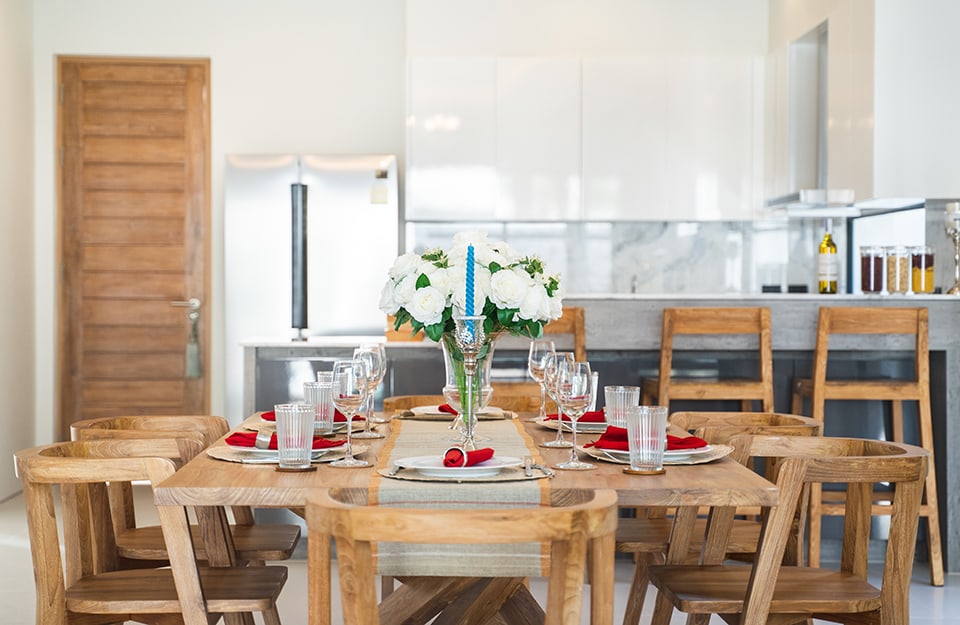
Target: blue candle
(469,289)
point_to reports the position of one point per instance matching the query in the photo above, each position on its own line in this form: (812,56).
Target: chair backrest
(860,464)
(717,321)
(720,427)
(573,321)
(211,427)
(574,520)
(886,321)
(82,471)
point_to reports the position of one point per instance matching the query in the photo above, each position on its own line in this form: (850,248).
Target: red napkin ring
(448,409)
(457,457)
(249,439)
(593,416)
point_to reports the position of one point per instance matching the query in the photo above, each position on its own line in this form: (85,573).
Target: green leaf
(494,266)
(423,281)
(505,316)
(434,331)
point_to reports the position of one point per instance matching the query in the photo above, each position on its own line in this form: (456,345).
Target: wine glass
(536,364)
(550,382)
(574,384)
(373,417)
(371,355)
(350,390)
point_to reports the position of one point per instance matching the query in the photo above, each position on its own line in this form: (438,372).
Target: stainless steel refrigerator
(350,218)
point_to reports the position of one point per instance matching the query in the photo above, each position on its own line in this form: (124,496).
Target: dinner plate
(338,426)
(274,452)
(432,466)
(490,412)
(249,455)
(674,455)
(592,427)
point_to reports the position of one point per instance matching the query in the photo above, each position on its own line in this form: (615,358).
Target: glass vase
(455,385)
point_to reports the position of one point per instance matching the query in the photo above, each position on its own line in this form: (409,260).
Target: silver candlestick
(951,223)
(470,338)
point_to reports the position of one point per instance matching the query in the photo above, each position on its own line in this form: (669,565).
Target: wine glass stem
(559,423)
(369,412)
(348,456)
(573,428)
(543,400)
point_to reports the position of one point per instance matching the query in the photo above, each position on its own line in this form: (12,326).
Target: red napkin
(249,439)
(448,409)
(457,457)
(338,417)
(616,438)
(592,416)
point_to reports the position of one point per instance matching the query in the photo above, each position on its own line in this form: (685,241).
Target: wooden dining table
(723,485)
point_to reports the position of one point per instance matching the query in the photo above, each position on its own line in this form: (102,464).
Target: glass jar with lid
(871,269)
(898,269)
(921,268)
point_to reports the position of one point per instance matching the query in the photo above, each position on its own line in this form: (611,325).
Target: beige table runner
(415,438)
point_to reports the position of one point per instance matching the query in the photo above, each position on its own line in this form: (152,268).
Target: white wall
(308,76)
(16,245)
(917,99)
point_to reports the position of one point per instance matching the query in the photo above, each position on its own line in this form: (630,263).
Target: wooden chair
(787,593)
(515,403)
(144,545)
(574,521)
(713,321)
(85,584)
(648,535)
(909,322)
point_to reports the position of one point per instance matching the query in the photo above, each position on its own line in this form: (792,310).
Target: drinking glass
(294,435)
(617,400)
(574,390)
(647,438)
(350,388)
(550,383)
(536,365)
(372,356)
(318,394)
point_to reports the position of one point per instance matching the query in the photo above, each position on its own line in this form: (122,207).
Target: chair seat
(707,388)
(653,536)
(721,589)
(862,389)
(252,542)
(252,589)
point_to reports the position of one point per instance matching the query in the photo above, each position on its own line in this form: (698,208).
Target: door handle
(193,303)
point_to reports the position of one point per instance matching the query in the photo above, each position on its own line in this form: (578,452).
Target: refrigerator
(348,227)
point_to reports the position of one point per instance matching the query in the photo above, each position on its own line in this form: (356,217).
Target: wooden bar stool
(713,321)
(878,321)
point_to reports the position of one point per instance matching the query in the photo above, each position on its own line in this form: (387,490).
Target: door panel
(134,216)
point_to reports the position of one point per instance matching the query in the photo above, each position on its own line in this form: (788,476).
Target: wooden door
(134,215)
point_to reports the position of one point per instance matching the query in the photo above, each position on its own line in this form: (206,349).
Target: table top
(208,481)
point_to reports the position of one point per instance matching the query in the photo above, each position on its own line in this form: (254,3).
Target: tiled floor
(928,605)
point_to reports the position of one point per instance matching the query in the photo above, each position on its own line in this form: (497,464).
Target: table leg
(419,599)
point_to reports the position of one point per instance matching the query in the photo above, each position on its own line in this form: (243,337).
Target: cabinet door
(624,138)
(710,137)
(538,138)
(451,142)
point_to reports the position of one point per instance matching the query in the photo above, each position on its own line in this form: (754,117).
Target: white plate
(669,455)
(592,427)
(432,466)
(273,452)
(249,455)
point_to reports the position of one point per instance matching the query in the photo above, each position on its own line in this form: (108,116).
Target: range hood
(822,203)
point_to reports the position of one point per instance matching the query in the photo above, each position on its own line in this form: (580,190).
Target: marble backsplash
(659,257)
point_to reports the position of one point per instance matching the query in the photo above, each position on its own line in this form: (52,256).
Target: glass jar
(921,268)
(898,269)
(871,269)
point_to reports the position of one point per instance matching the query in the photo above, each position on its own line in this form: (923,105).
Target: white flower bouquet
(512,291)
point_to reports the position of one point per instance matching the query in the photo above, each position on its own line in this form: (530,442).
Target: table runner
(416,438)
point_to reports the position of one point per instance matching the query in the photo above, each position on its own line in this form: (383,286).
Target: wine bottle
(828,263)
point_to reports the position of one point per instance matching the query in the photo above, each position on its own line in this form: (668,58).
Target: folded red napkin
(448,409)
(249,439)
(457,457)
(592,416)
(338,417)
(616,438)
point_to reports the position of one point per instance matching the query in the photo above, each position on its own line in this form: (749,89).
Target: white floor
(928,605)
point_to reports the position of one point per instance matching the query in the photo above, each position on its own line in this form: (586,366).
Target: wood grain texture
(134,207)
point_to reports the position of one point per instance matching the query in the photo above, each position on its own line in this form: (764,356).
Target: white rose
(439,278)
(536,304)
(404,265)
(405,289)
(509,288)
(427,305)
(388,304)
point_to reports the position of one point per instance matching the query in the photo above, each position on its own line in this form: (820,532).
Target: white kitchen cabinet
(452,139)
(624,138)
(538,138)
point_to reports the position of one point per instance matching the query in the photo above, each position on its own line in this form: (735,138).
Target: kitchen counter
(623,340)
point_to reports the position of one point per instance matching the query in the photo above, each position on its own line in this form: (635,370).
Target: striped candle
(469,289)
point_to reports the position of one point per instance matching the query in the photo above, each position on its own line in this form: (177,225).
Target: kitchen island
(623,341)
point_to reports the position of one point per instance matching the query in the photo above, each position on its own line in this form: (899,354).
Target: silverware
(393,470)
(546,470)
(528,466)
